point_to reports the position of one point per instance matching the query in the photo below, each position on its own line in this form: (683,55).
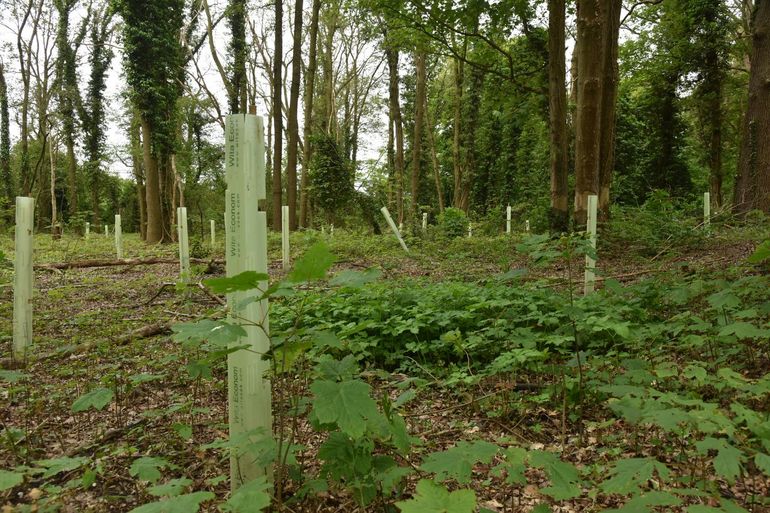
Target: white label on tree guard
(285,237)
(23,277)
(249,394)
(118,237)
(393,227)
(590,277)
(184,243)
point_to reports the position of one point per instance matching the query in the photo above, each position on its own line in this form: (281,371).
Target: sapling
(285,236)
(184,243)
(393,227)
(118,237)
(249,392)
(590,277)
(23,277)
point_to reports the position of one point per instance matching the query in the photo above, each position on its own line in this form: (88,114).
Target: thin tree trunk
(55,232)
(277,115)
(752,188)
(557,113)
(392,57)
(152,187)
(434,158)
(419,115)
(5,140)
(457,163)
(310,74)
(293,136)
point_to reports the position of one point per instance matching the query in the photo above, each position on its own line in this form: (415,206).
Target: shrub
(453,222)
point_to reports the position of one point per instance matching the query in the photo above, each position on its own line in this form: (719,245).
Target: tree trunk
(588,135)
(457,126)
(473,105)
(434,159)
(419,116)
(55,231)
(277,116)
(714,119)
(557,113)
(752,188)
(395,106)
(236,13)
(310,74)
(610,79)
(5,140)
(293,136)
(152,187)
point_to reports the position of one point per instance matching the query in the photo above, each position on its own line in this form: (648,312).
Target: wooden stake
(394,228)
(590,277)
(249,393)
(213,232)
(184,243)
(707,210)
(23,278)
(118,237)
(508,220)
(285,236)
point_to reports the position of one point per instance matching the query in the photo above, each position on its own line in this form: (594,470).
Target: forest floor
(90,333)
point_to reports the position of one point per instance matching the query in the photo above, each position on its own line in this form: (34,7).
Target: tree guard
(394,228)
(118,237)
(23,278)
(184,243)
(590,276)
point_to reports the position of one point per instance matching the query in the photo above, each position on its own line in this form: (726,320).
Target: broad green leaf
(58,465)
(347,404)
(514,465)
(313,265)
(171,488)
(137,379)
(247,280)
(189,503)
(762,461)
(564,476)
(12,376)
(743,330)
(249,498)
(629,474)
(355,279)
(647,503)
(147,468)
(219,333)
(761,254)
(97,399)
(728,460)
(434,498)
(457,463)
(9,479)
(183,430)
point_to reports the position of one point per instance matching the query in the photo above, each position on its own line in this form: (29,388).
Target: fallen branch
(104,262)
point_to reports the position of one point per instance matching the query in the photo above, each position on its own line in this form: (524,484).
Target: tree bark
(154,228)
(434,159)
(610,78)
(557,113)
(293,135)
(419,117)
(277,116)
(752,189)
(310,74)
(590,59)
(5,140)
(391,55)
(458,69)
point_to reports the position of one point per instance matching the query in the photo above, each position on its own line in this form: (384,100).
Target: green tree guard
(249,394)
(23,278)
(394,228)
(590,276)
(508,220)
(118,237)
(285,236)
(213,232)
(184,243)
(706,210)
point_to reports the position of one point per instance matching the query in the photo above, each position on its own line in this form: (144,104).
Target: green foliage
(10,479)
(434,498)
(97,399)
(346,404)
(453,222)
(148,468)
(250,497)
(457,463)
(760,255)
(189,503)
(331,175)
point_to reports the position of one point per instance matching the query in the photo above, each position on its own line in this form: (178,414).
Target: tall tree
(293,133)
(310,75)
(420,101)
(153,61)
(391,54)
(236,19)
(557,114)
(277,115)
(752,187)
(5,140)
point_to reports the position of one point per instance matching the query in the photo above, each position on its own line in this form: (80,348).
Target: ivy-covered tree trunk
(469,140)
(293,134)
(154,230)
(557,112)
(25,70)
(310,75)
(610,78)
(5,140)
(66,93)
(277,115)
(458,75)
(237,93)
(139,175)
(752,188)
